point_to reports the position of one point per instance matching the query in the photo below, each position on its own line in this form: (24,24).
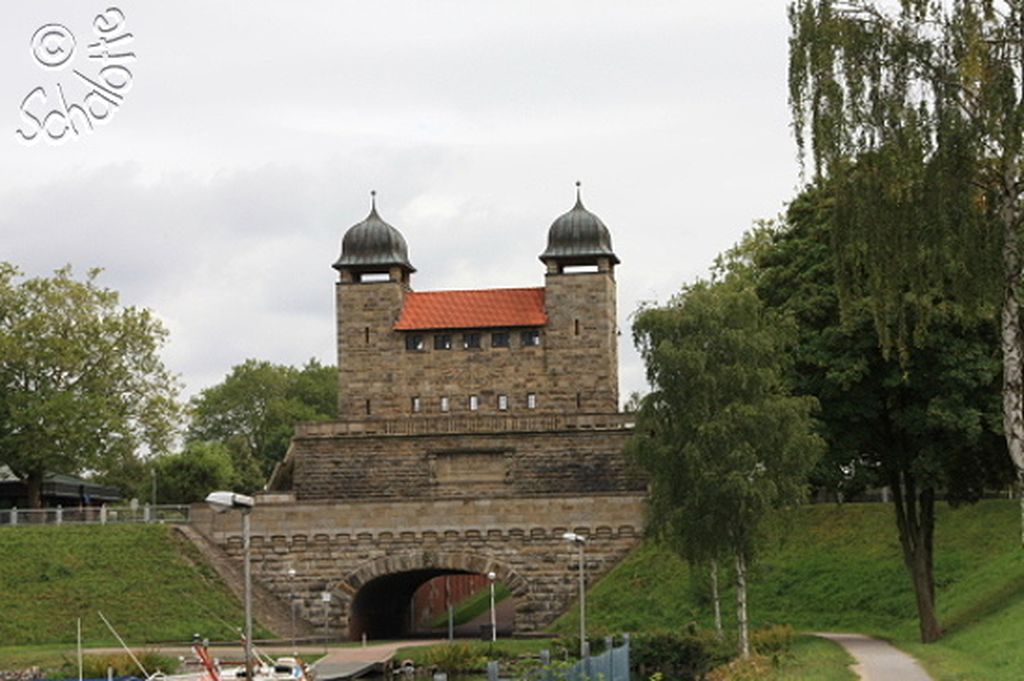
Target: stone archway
(374,598)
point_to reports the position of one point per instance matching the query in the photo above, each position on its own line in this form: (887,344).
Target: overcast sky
(251,134)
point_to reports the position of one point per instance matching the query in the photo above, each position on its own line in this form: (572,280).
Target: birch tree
(914,112)
(721,439)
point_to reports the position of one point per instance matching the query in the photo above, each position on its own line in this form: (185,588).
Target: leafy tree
(923,426)
(191,474)
(916,117)
(719,436)
(82,385)
(253,412)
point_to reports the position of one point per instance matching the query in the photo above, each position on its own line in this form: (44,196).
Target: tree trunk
(717,600)
(34,489)
(741,605)
(1012,338)
(915,518)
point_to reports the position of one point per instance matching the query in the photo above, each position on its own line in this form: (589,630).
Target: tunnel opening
(416,603)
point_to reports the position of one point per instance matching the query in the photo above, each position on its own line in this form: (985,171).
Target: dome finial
(373,200)
(579,201)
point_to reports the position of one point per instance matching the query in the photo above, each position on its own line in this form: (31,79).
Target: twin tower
(514,351)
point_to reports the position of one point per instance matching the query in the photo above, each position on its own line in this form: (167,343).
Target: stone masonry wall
(574,369)
(339,547)
(462,464)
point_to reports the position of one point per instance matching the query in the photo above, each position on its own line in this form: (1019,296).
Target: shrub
(679,655)
(772,641)
(454,657)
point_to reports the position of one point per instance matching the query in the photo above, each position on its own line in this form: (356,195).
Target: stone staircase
(270,611)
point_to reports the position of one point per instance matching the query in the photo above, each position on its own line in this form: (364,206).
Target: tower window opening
(576,327)
(414,343)
(367,407)
(372,277)
(500,340)
(579,400)
(531,400)
(474,403)
(416,405)
(443,341)
(531,338)
(470,340)
(445,404)
(366,335)
(579,269)
(502,402)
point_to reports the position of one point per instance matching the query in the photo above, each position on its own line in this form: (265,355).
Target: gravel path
(878,660)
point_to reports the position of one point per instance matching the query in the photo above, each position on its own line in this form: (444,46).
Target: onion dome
(578,237)
(373,244)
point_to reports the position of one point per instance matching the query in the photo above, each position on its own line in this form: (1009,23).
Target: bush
(454,657)
(95,666)
(772,641)
(684,655)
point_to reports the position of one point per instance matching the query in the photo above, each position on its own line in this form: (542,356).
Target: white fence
(95,515)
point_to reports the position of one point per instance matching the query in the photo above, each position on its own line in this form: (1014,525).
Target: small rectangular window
(445,405)
(502,402)
(531,338)
(470,340)
(443,341)
(414,342)
(531,400)
(474,403)
(500,340)
(415,404)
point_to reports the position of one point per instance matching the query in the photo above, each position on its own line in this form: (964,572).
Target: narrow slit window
(579,400)
(366,335)
(367,407)
(576,327)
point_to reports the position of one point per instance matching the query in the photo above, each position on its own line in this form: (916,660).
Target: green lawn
(839,568)
(149,582)
(472,607)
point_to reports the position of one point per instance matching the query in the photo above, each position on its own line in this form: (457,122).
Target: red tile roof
(487,308)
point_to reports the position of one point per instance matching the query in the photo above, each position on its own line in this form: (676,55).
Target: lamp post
(494,621)
(579,541)
(291,599)
(226,501)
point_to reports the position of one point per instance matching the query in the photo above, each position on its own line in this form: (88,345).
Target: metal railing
(95,515)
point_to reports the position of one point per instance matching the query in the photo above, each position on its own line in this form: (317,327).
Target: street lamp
(291,597)
(494,622)
(579,541)
(227,501)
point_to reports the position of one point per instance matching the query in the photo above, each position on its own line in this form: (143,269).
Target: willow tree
(914,111)
(721,438)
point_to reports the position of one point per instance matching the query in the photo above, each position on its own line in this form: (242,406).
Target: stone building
(474,428)
(491,390)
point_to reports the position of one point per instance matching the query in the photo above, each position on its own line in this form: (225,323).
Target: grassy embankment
(840,569)
(149,582)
